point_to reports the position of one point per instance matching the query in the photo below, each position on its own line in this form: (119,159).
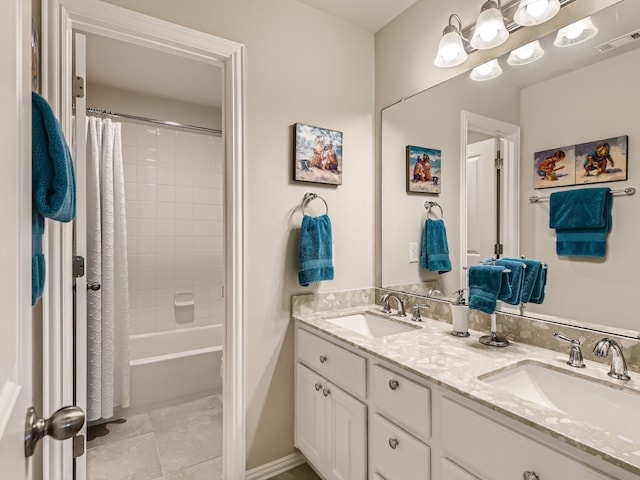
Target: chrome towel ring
(309,197)
(428,205)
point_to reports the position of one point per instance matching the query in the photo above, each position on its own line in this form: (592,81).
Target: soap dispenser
(460,315)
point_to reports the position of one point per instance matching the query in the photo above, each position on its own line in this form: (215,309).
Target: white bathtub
(174,366)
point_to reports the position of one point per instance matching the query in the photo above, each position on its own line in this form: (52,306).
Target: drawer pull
(530,476)
(393,384)
(318,387)
(323,358)
(326,392)
(393,443)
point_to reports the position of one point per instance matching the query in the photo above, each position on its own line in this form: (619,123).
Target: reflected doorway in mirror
(424,166)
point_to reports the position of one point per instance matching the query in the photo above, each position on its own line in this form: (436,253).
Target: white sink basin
(371,326)
(617,411)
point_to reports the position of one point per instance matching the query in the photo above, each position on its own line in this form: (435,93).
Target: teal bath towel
(531,277)
(485,284)
(582,220)
(315,250)
(515,278)
(435,249)
(53,183)
(539,288)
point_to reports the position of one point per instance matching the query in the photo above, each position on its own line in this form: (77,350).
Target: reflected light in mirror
(528,53)
(490,30)
(535,12)
(486,71)
(576,33)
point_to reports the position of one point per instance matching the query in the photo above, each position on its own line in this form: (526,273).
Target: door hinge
(78,266)
(77,85)
(497,249)
(78,446)
(499,162)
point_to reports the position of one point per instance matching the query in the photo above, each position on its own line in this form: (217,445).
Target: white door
(80,249)
(347,458)
(15,241)
(481,201)
(311,416)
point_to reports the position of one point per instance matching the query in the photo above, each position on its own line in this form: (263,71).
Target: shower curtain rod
(100,111)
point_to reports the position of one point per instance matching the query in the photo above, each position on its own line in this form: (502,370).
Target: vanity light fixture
(528,53)
(490,30)
(535,12)
(486,71)
(451,51)
(577,32)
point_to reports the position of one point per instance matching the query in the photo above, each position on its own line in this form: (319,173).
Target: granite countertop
(456,364)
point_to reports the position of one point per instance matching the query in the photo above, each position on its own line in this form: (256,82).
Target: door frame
(509,135)
(59,19)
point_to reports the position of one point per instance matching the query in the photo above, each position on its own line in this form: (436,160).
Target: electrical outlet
(414,253)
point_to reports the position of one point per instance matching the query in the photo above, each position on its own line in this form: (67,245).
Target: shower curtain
(108,307)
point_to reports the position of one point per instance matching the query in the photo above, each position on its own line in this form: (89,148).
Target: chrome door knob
(95,286)
(323,358)
(393,384)
(393,443)
(63,424)
(530,476)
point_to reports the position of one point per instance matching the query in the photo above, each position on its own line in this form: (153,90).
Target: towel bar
(428,205)
(308,197)
(626,191)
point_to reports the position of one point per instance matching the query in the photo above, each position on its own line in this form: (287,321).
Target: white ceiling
(369,14)
(145,70)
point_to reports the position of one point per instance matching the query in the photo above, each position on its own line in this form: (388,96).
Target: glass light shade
(576,33)
(490,30)
(535,12)
(528,53)
(451,51)
(486,71)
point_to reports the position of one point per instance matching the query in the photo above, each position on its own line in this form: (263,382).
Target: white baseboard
(276,467)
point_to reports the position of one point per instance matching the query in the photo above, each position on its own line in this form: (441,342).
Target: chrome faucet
(618,368)
(416,311)
(399,303)
(434,291)
(575,355)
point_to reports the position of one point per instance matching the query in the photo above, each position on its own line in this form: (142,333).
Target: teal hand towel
(53,185)
(582,220)
(435,248)
(485,284)
(315,250)
(531,276)
(515,278)
(539,288)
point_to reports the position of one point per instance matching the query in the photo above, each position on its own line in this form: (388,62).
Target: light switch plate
(414,253)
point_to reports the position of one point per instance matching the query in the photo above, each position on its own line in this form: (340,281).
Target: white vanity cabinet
(331,425)
(490,451)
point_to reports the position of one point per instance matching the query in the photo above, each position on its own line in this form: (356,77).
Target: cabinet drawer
(338,365)
(405,402)
(395,454)
(474,442)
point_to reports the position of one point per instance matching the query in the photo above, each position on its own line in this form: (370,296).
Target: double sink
(602,404)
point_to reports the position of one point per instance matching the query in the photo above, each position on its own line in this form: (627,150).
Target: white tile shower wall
(175,208)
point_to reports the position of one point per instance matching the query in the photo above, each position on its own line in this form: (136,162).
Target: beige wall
(301,66)
(151,106)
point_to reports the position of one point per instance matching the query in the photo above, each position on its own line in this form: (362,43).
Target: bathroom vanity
(419,405)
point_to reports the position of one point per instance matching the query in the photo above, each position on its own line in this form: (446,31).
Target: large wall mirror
(570,96)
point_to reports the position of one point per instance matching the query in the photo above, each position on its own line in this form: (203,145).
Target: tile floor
(182,442)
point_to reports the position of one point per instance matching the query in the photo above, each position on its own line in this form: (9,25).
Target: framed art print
(423,169)
(554,167)
(602,160)
(317,155)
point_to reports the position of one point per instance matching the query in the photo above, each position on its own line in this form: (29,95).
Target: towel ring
(308,197)
(428,205)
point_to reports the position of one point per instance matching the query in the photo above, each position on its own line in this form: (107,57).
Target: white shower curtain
(108,307)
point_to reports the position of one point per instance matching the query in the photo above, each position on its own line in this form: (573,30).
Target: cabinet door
(451,471)
(347,458)
(311,416)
